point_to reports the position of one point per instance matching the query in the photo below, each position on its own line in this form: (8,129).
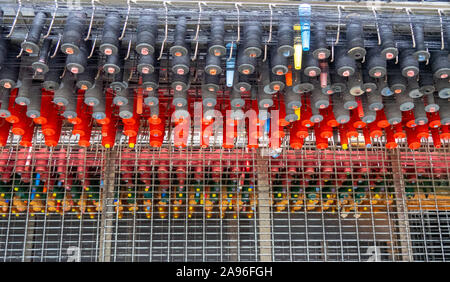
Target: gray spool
(430,103)
(443,88)
(375,101)
(413,89)
(392,111)
(179,98)
(209,98)
(419,112)
(126,110)
(316,117)
(99,110)
(291,116)
(237,113)
(236,100)
(93,95)
(121,98)
(341,114)
(264,100)
(152,99)
(65,91)
(4,112)
(34,108)
(319,100)
(349,101)
(444,111)
(369,114)
(292,99)
(154,110)
(181,112)
(70,111)
(355,85)
(24,94)
(404,101)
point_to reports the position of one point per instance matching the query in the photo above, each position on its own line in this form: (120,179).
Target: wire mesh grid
(167,204)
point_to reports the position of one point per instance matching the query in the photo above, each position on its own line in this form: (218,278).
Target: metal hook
(339,25)
(128,50)
(198,28)
(332,53)
(442,29)
(411,27)
(15,19)
(131,74)
(231,51)
(52,21)
(376,25)
(165,30)
(238,22)
(98,74)
(428,59)
(57,46)
(63,74)
(21,49)
(126,21)
(92,20)
(93,47)
(270,32)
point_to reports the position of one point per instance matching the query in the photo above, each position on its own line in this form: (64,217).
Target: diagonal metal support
(107,215)
(401,207)
(264,214)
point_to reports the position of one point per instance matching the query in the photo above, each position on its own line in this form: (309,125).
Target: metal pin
(339,25)
(332,53)
(442,29)
(238,22)
(165,30)
(52,21)
(93,47)
(376,25)
(231,51)
(21,49)
(126,21)
(128,50)
(408,10)
(198,29)
(15,19)
(57,46)
(270,32)
(63,74)
(92,20)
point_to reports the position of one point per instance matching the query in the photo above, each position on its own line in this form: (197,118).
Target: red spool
(4,131)
(381,119)
(326,131)
(51,126)
(343,136)
(282,121)
(399,133)
(445,132)
(408,119)
(367,140)
(305,113)
(157,129)
(15,109)
(295,141)
(109,134)
(156,141)
(422,131)
(321,143)
(355,120)
(228,135)
(390,138)
(434,120)
(301,131)
(85,139)
(108,109)
(411,138)
(52,140)
(19,128)
(47,108)
(436,138)
(351,131)
(329,115)
(131,130)
(374,130)
(81,109)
